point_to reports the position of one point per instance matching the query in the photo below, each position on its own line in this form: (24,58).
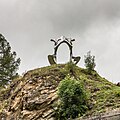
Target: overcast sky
(95,24)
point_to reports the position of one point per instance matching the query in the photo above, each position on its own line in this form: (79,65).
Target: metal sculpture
(53,58)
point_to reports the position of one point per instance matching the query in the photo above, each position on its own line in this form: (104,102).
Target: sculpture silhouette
(53,58)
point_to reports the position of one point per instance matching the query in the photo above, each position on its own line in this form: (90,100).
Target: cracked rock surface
(33,96)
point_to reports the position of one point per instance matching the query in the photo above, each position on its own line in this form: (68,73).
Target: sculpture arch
(63,53)
(53,58)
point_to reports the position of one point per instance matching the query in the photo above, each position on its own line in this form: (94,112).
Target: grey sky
(95,24)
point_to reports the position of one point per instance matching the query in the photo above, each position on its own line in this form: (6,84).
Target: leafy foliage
(89,61)
(8,62)
(72,99)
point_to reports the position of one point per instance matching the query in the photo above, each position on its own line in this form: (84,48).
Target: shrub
(89,62)
(72,99)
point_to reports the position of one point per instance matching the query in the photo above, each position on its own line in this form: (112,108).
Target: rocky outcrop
(33,97)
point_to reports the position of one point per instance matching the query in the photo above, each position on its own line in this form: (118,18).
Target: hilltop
(32,97)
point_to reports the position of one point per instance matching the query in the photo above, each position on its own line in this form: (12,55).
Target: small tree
(8,62)
(73,99)
(89,61)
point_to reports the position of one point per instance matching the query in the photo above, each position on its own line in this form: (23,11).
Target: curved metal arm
(72,40)
(53,41)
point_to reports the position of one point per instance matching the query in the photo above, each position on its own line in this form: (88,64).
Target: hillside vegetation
(33,96)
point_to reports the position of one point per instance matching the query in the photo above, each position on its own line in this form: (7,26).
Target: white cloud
(30,24)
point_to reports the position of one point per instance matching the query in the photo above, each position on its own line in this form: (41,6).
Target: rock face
(32,97)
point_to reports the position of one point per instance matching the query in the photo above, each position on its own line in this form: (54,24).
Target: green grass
(103,95)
